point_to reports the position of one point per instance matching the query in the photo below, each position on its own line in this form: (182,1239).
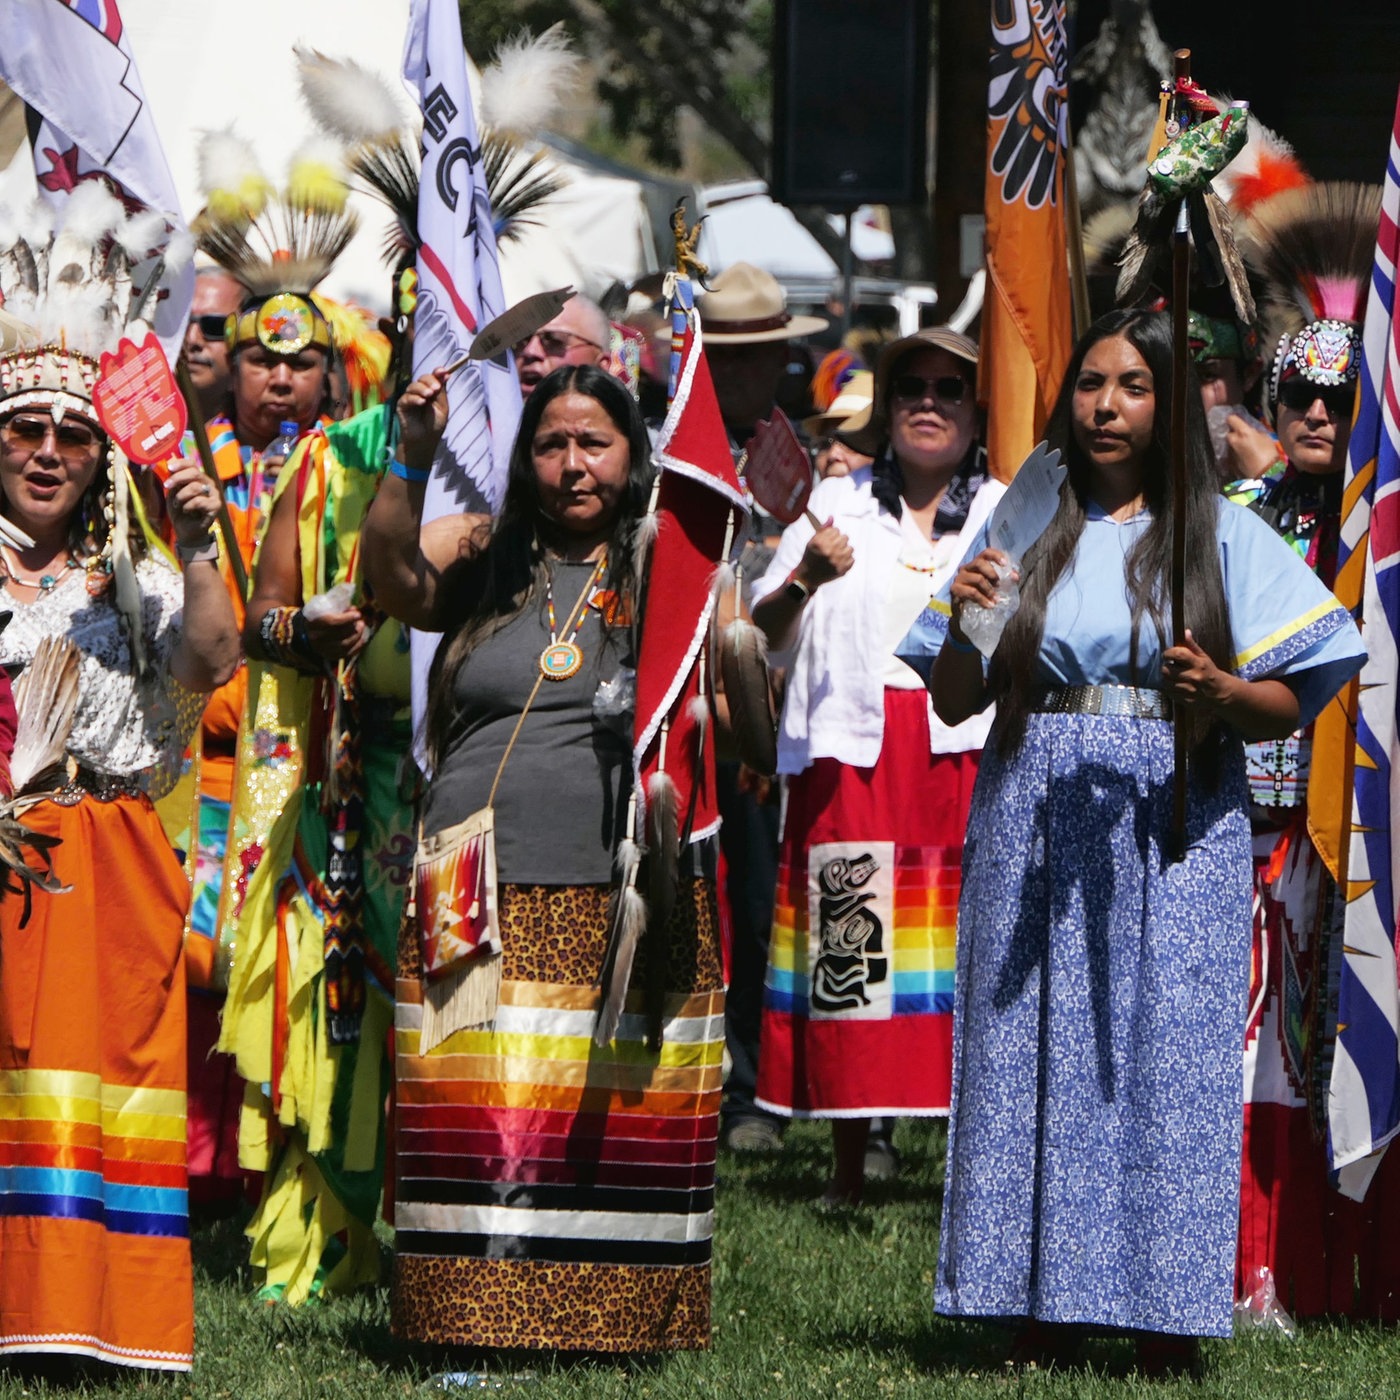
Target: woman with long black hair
(550,1192)
(1094,1160)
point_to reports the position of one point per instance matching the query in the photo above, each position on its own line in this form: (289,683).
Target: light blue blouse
(1285,622)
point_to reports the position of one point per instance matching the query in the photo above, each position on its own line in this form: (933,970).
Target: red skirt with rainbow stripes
(858,997)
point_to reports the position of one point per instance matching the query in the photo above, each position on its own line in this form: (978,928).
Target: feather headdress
(68,292)
(1313,248)
(70,296)
(279,244)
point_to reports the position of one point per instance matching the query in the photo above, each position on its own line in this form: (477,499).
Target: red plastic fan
(778,471)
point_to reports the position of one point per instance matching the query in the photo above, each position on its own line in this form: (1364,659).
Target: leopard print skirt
(549,1193)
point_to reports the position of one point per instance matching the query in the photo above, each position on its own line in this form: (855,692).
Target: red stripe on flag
(439,270)
(1385,526)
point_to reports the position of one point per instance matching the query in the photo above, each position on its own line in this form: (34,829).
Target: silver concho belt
(1118,701)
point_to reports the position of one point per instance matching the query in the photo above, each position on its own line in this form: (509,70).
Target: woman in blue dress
(1093,1174)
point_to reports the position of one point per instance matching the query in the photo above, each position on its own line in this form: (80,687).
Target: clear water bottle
(279,449)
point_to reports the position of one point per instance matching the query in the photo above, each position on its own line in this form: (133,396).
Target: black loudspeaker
(850,102)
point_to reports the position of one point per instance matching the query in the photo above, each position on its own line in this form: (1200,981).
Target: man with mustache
(216,297)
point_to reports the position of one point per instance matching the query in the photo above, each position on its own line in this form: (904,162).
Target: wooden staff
(206,459)
(1181,386)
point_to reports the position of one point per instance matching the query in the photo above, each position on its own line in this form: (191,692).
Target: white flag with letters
(459,289)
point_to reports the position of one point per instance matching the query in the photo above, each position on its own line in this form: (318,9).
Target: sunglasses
(211,325)
(555,344)
(914,388)
(1300,395)
(74,438)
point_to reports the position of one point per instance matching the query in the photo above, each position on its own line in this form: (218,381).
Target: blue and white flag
(71,63)
(1364,1097)
(459,290)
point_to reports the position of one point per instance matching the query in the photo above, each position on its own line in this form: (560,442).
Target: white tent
(743,222)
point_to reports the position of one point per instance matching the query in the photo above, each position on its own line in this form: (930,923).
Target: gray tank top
(562,802)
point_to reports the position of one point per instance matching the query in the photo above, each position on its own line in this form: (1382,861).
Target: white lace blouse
(124,727)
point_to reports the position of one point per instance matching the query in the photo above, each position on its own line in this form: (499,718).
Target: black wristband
(283,639)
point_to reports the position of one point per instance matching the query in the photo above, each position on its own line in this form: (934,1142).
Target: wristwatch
(797,591)
(205,551)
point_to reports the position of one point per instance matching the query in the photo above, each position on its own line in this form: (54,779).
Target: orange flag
(1026,327)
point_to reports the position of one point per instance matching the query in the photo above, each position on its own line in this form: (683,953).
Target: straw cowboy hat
(867,432)
(853,401)
(746,307)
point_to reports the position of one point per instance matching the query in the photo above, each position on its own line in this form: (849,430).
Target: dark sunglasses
(74,438)
(1300,395)
(556,343)
(913,388)
(211,325)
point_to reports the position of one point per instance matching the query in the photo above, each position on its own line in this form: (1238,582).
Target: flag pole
(1181,386)
(206,460)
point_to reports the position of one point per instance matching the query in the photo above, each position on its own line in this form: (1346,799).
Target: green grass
(804,1304)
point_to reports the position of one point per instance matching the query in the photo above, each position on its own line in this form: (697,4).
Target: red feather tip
(1275,172)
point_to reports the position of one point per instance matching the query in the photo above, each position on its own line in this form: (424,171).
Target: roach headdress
(1313,248)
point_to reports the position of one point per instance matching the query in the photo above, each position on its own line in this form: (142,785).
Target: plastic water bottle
(983,626)
(279,449)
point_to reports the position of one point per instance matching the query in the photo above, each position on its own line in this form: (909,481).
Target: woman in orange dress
(94,1240)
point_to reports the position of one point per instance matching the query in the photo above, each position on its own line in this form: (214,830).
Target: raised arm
(404,560)
(276,629)
(207,653)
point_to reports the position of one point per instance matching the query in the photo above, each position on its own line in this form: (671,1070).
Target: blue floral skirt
(1094,1153)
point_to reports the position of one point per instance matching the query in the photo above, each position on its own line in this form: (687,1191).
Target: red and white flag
(71,63)
(459,290)
(700,505)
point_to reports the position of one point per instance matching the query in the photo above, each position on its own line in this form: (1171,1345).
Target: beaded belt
(1118,701)
(105,787)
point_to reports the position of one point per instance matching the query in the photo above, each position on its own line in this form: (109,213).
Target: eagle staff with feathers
(1193,141)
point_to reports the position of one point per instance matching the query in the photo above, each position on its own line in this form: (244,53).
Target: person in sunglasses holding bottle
(857,1013)
(578,335)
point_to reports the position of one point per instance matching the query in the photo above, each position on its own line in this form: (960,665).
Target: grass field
(804,1304)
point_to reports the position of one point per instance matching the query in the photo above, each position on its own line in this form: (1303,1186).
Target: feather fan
(743,667)
(46,699)
(627,920)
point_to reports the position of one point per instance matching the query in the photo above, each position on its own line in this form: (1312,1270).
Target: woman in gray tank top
(549,1193)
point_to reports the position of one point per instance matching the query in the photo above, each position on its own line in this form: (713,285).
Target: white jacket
(835,701)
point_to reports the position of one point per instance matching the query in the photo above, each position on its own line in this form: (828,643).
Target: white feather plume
(91,212)
(179,251)
(142,234)
(36,221)
(351,103)
(226,160)
(524,87)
